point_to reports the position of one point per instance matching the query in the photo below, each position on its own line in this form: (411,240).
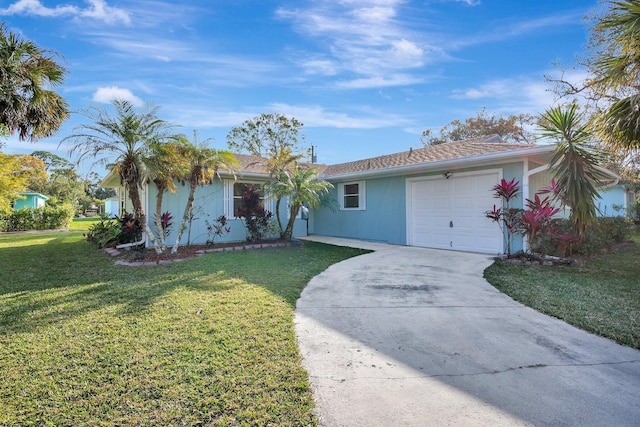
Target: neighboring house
(616,200)
(432,197)
(31,200)
(112,207)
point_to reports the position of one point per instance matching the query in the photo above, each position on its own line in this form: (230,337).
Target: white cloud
(107,95)
(318,116)
(100,11)
(525,94)
(379,82)
(368,38)
(97,9)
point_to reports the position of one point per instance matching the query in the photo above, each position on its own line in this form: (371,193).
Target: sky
(366,77)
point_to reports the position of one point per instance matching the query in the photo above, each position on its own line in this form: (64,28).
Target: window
(234,190)
(351,196)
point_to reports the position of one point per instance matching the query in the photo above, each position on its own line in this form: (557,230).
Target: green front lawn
(602,296)
(209,341)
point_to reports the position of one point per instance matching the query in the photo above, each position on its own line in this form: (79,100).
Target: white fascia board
(245,175)
(483,159)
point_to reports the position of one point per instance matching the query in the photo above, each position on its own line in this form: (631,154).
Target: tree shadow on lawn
(70,278)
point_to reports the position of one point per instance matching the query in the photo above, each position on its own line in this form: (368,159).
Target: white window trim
(228,196)
(362,199)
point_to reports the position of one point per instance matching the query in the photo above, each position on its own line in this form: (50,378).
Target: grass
(209,341)
(602,296)
(83,224)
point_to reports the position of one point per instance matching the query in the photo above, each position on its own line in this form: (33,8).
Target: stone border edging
(114,253)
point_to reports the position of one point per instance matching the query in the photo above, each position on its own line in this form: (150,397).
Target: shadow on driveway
(413,337)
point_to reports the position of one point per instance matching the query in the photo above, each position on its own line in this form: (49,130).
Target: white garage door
(450,213)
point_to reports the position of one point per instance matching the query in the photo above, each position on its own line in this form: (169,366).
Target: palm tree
(26,106)
(574,163)
(282,161)
(123,141)
(164,165)
(204,164)
(300,186)
(616,70)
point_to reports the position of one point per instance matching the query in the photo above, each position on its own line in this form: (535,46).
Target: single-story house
(31,200)
(432,197)
(616,200)
(112,207)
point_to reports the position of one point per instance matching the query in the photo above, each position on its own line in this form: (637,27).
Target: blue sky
(366,77)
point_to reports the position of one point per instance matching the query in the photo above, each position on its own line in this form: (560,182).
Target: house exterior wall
(613,201)
(384,219)
(31,201)
(209,204)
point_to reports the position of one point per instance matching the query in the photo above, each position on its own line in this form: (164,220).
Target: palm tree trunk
(288,232)
(158,218)
(185,217)
(134,194)
(278,216)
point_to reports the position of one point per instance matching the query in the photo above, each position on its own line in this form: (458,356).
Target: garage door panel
(461,201)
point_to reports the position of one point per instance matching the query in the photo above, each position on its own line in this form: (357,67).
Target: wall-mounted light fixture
(447,175)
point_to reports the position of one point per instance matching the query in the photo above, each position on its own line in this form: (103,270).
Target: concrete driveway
(407,336)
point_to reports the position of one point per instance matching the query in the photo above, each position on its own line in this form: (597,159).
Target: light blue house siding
(31,200)
(613,201)
(210,201)
(385,217)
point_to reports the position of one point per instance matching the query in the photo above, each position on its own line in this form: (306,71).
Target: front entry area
(448,212)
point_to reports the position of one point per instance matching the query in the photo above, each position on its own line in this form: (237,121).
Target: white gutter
(502,156)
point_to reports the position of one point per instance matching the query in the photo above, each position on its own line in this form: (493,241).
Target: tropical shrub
(130,228)
(256,218)
(217,229)
(506,216)
(103,233)
(536,223)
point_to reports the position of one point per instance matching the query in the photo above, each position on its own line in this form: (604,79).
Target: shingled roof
(449,151)
(258,165)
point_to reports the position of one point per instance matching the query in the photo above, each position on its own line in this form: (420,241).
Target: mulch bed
(148,256)
(578,260)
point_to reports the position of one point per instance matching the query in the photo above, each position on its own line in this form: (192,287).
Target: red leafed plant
(536,222)
(506,190)
(506,216)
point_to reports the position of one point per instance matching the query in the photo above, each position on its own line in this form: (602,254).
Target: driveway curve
(408,336)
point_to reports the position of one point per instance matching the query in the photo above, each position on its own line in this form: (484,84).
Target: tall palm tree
(27,106)
(282,161)
(204,164)
(574,163)
(616,70)
(164,166)
(300,186)
(123,141)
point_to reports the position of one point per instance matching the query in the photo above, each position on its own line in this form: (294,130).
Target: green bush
(601,234)
(103,233)
(45,218)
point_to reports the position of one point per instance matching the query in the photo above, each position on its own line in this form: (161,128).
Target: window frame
(361,196)
(230,198)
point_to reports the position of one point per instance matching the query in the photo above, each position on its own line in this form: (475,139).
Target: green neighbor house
(31,200)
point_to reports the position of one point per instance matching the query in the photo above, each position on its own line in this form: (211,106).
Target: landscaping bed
(136,256)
